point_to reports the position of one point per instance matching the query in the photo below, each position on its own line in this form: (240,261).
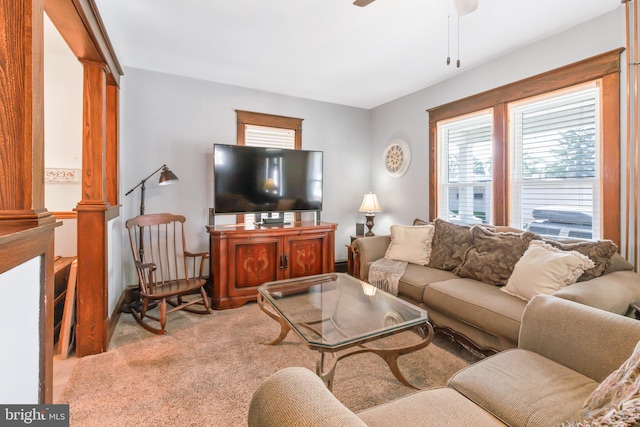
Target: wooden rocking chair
(166,270)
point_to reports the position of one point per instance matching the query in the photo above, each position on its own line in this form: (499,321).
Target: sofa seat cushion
(523,388)
(441,407)
(416,278)
(479,304)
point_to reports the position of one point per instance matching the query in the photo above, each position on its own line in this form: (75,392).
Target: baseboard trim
(115,315)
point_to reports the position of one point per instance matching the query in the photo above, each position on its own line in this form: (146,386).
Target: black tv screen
(257,179)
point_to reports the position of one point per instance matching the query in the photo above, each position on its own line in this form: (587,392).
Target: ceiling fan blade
(362,3)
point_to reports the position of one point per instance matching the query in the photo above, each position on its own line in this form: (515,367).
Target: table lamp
(370,205)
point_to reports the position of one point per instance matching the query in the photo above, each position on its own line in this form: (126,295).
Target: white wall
(406,198)
(20,315)
(176,120)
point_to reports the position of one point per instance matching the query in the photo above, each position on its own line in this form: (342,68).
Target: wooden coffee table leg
(284,326)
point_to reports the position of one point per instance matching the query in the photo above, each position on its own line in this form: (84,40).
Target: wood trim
(64,215)
(22,114)
(610,151)
(94,132)
(81,27)
(271,120)
(17,246)
(501,164)
(47,307)
(112,144)
(433,171)
(92,289)
(604,68)
(569,75)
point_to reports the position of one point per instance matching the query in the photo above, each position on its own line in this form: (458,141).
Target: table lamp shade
(370,203)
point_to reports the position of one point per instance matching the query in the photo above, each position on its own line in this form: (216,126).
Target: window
(465,169)
(554,163)
(266,130)
(555,153)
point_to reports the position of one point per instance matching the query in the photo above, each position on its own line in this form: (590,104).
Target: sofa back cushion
(599,252)
(450,244)
(493,255)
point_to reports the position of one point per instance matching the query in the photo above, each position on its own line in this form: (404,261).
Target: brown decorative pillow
(419,221)
(599,252)
(494,255)
(449,245)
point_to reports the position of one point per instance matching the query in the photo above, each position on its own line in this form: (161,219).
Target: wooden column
(21,114)
(92,291)
(26,227)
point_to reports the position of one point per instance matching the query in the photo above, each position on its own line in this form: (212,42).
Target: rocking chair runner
(166,270)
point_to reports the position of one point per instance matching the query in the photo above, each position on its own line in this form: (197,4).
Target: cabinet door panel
(305,255)
(254,263)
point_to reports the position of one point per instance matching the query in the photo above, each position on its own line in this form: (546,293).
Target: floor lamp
(166,178)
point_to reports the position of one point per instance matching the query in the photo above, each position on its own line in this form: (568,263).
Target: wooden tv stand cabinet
(244,256)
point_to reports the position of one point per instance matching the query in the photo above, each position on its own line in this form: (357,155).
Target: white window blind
(465,168)
(554,164)
(263,136)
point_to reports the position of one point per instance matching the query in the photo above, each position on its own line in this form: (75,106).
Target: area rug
(205,370)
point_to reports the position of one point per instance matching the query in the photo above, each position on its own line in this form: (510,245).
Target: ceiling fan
(462,6)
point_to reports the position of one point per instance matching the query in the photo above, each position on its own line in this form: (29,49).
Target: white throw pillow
(544,269)
(410,243)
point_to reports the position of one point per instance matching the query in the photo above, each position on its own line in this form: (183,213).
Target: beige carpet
(205,370)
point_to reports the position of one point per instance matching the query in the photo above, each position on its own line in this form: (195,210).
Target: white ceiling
(329,50)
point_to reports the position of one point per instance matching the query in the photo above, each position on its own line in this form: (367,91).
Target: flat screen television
(258,179)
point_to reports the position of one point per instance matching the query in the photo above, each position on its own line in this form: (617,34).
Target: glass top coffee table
(335,312)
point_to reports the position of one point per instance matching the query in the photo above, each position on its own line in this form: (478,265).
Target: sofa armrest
(588,340)
(296,397)
(611,292)
(368,249)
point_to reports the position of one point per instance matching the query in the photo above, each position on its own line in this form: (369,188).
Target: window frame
(605,68)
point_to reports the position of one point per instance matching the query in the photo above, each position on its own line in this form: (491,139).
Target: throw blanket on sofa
(385,274)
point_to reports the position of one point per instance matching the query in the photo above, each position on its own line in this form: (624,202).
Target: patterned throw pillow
(449,245)
(599,252)
(494,255)
(616,396)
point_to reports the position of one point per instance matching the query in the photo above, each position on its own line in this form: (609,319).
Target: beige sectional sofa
(568,355)
(465,298)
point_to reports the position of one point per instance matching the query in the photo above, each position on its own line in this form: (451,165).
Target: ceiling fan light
(464,7)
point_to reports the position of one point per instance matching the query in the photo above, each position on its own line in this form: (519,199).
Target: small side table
(636,306)
(351,261)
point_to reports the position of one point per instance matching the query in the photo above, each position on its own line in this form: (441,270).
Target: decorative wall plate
(397,157)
